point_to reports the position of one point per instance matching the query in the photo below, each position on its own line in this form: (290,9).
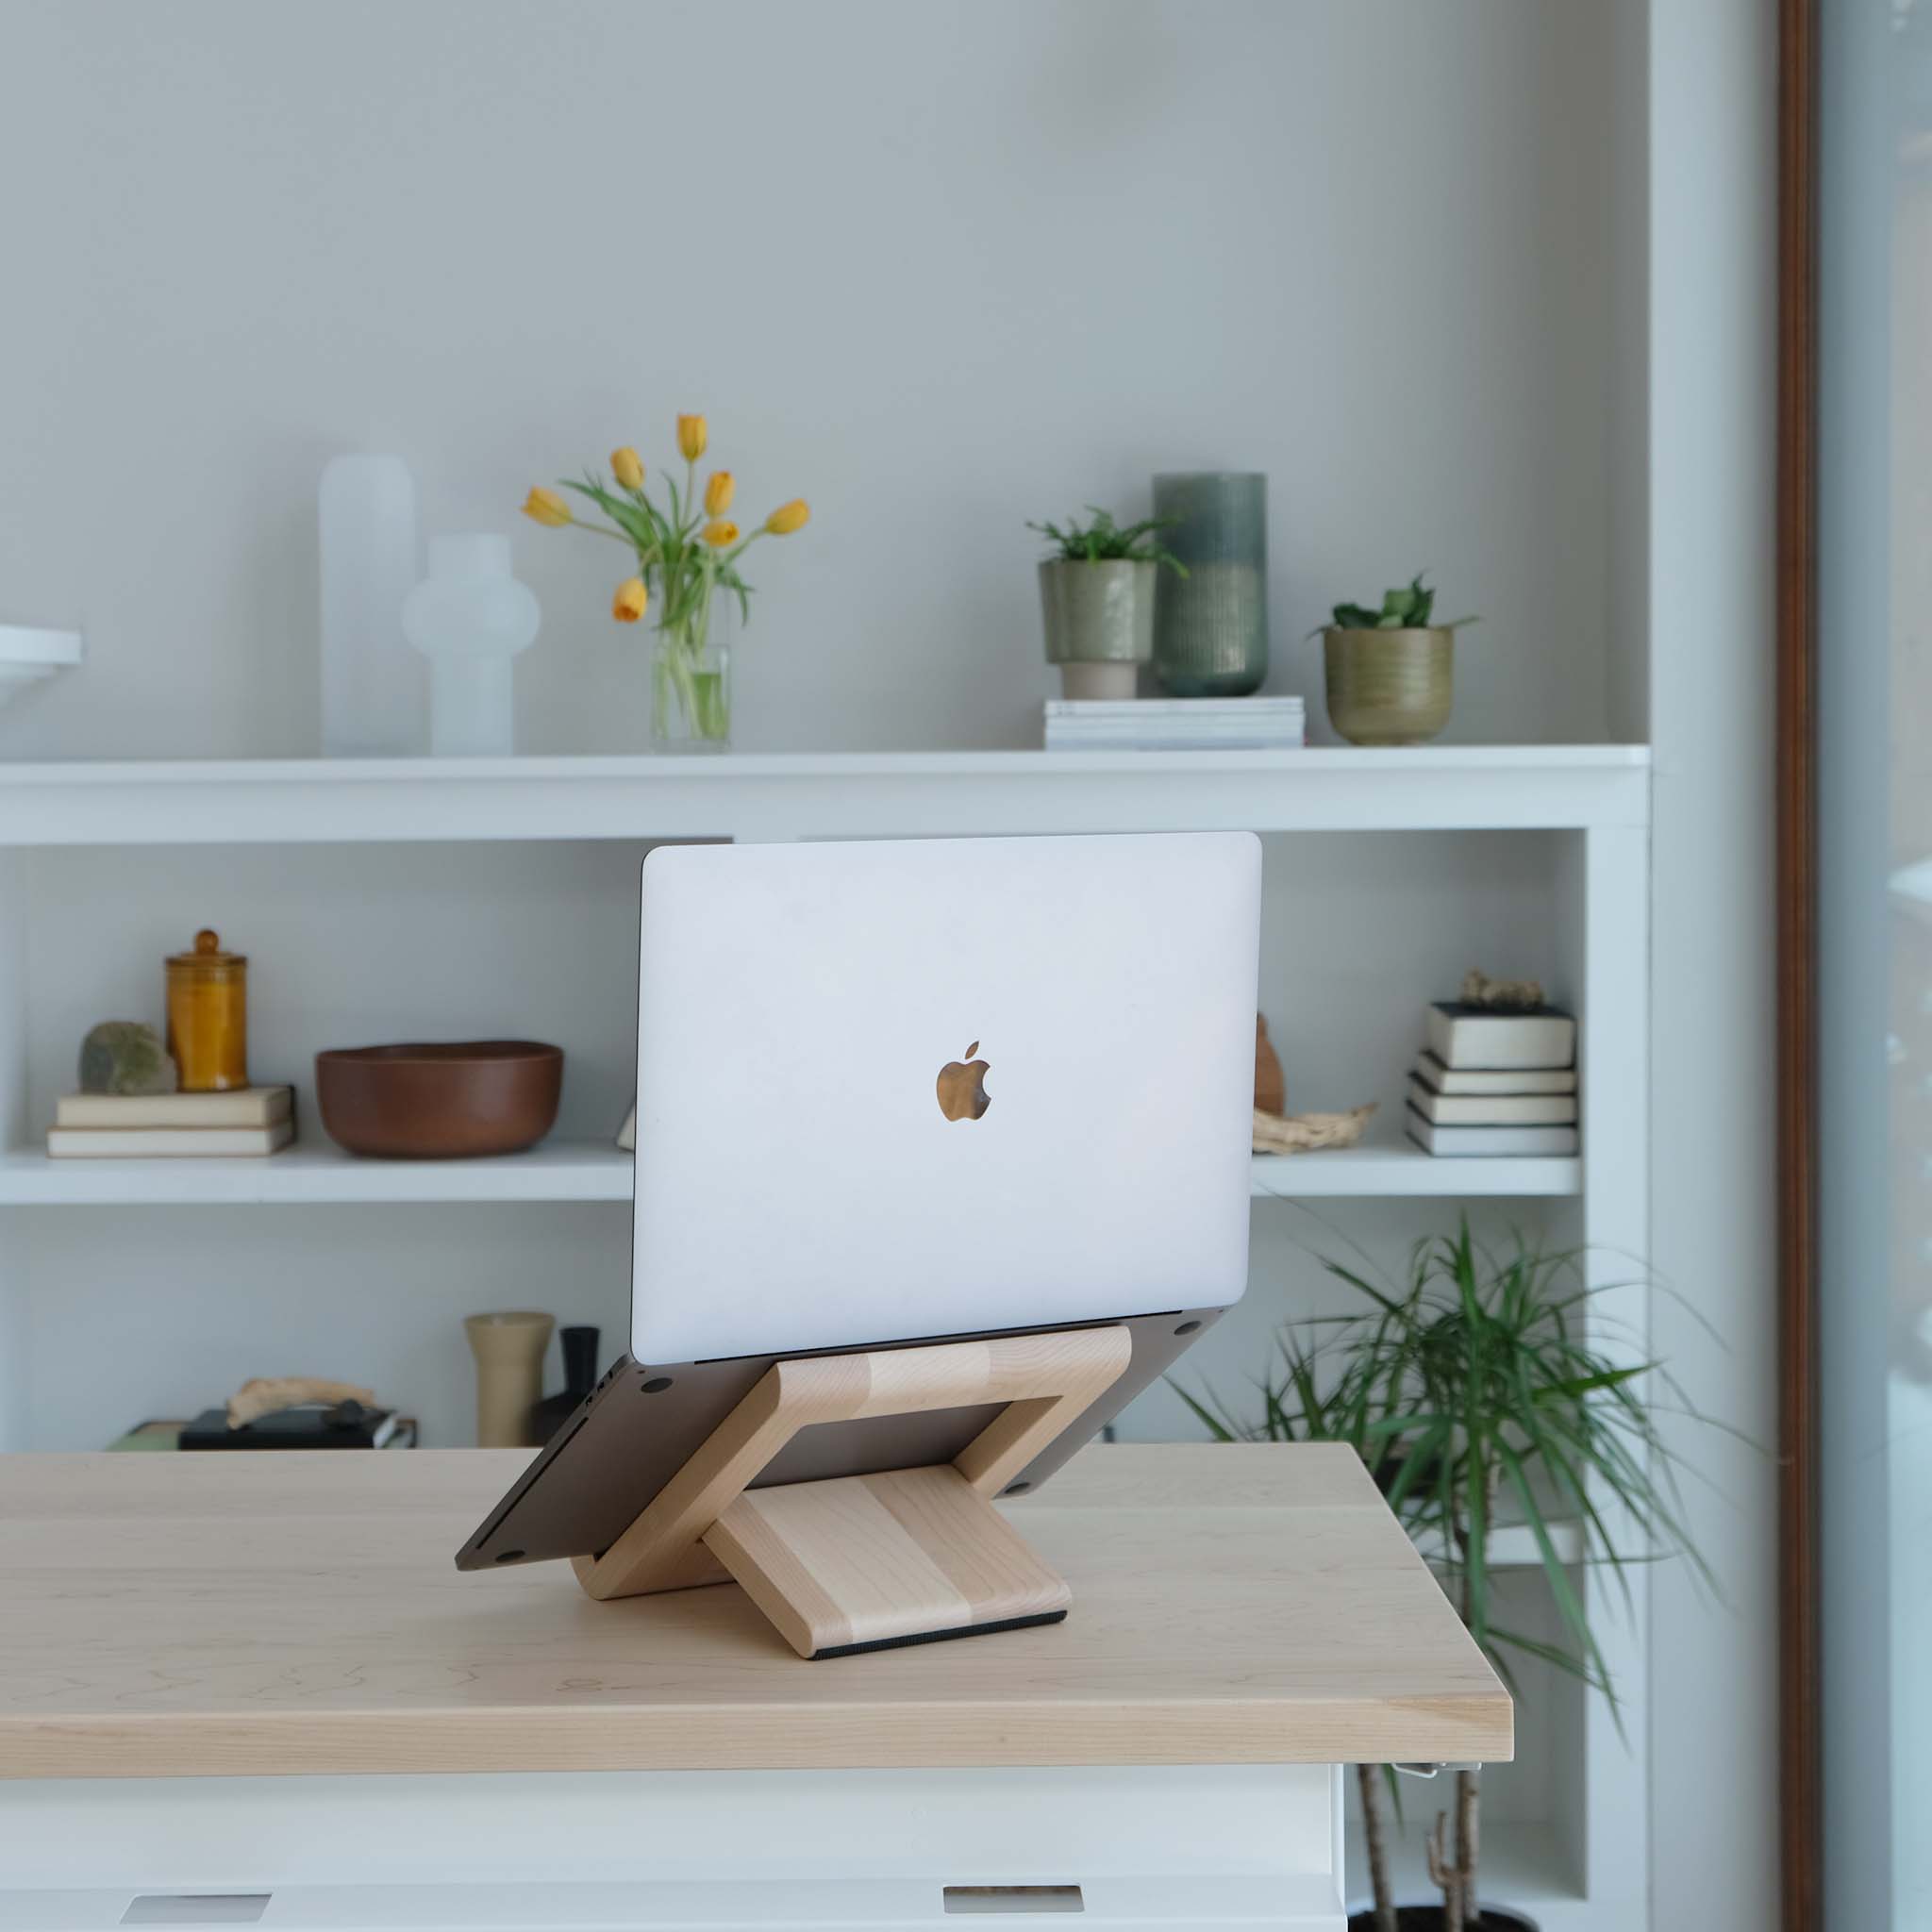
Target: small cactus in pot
(1096,596)
(1389,670)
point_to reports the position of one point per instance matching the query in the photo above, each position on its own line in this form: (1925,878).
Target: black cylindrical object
(579,1378)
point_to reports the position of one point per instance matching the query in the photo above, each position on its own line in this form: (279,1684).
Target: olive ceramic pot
(1099,621)
(1389,686)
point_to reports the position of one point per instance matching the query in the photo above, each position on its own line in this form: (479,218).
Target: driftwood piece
(1501,995)
(1308,1133)
(263,1395)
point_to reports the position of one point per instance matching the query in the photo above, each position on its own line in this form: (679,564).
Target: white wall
(1713,1693)
(940,267)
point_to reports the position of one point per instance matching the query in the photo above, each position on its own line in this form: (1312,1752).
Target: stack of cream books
(1494,1082)
(1176,723)
(149,1126)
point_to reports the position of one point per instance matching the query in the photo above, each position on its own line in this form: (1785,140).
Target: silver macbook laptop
(899,1092)
(909,1089)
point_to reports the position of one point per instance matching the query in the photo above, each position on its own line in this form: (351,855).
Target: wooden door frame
(1800,1748)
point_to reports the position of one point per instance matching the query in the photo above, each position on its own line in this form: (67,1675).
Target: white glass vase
(372,683)
(470,618)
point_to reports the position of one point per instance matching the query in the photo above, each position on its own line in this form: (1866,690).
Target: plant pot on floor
(1429,1919)
(1099,620)
(1389,686)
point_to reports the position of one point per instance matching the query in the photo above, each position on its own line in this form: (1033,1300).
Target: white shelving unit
(476,847)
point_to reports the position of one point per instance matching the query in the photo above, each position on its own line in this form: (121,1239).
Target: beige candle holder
(509,1349)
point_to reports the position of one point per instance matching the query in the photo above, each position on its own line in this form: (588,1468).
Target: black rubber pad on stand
(941,1636)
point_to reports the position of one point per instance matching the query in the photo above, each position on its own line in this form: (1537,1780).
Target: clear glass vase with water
(691,680)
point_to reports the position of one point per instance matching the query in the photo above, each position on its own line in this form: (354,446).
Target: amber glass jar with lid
(208,1016)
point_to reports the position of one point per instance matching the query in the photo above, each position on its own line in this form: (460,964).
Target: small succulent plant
(1104,540)
(1406,607)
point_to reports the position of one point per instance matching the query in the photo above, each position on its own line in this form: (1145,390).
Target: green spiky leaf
(1406,607)
(1485,1376)
(1102,541)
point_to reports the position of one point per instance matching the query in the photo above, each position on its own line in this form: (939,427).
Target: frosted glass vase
(472,619)
(372,686)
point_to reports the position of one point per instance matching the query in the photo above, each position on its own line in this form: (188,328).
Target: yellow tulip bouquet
(686,556)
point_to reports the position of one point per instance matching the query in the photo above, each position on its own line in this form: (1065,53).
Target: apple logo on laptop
(962,1087)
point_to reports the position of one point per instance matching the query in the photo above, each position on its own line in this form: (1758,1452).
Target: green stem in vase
(712,718)
(701,695)
(683,662)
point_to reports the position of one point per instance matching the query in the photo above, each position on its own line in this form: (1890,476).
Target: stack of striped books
(147,1126)
(1492,1082)
(1176,723)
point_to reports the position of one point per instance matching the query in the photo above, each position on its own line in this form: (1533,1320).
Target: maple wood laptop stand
(866,1562)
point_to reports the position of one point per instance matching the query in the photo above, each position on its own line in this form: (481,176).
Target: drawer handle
(1013,1898)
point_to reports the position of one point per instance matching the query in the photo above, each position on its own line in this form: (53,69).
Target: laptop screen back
(903,1088)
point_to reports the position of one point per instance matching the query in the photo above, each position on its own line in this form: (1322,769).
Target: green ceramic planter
(1099,621)
(1389,686)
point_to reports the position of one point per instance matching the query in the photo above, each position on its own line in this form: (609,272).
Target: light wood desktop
(289,1626)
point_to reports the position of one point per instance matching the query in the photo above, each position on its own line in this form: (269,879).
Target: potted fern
(1470,1389)
(1096,594)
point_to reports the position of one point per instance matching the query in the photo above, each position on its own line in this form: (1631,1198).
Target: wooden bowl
(445,1101)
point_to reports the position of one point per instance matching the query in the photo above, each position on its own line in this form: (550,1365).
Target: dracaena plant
(1102,541)
(1405,607)
(1473,1386)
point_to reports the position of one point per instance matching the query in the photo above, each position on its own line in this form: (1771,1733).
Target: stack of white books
(147,1126)
(1492,1082)
(1176,723)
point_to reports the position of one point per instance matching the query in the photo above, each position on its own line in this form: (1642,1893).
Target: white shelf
(314,1171)
(317,1171)
(1405,1171)
(1427,788)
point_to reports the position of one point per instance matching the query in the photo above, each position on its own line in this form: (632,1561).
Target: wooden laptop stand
(866,1562)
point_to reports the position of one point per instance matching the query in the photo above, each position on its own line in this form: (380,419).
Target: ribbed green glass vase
(1210,627)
